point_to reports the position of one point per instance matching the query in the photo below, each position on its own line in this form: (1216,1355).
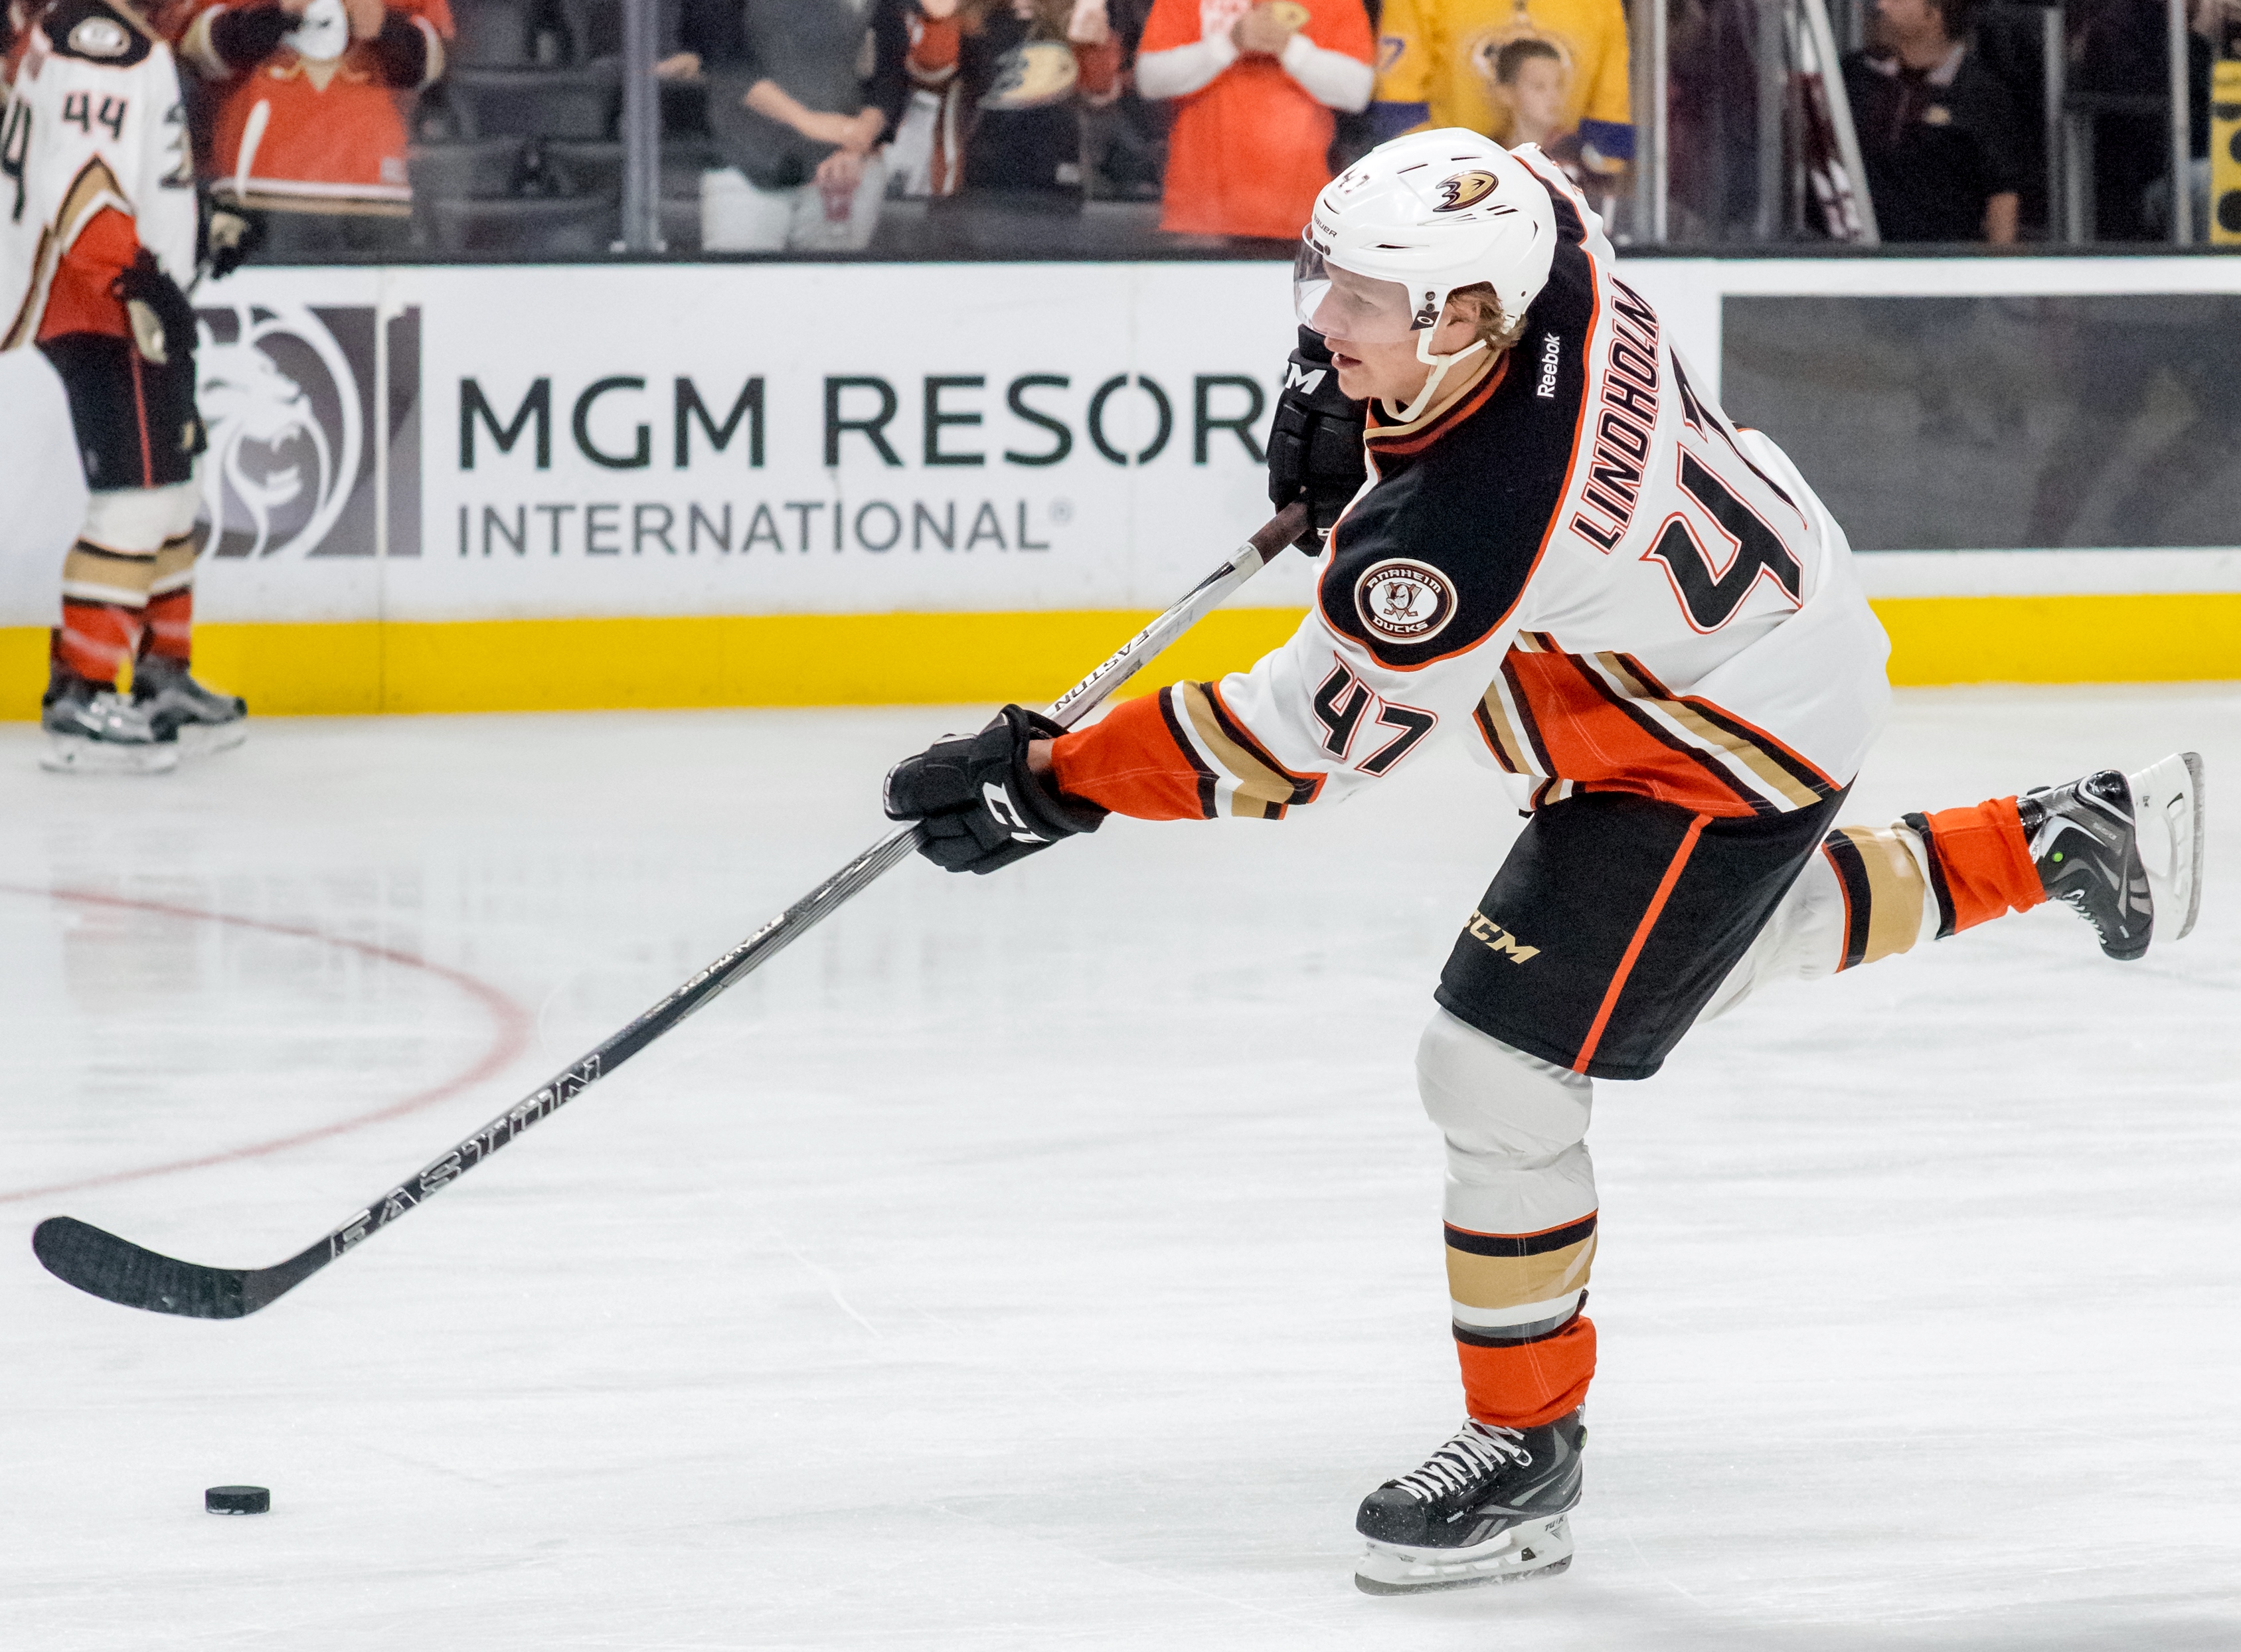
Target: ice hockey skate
(94,729)
(2122,849)
(177,706)
(1491,1506)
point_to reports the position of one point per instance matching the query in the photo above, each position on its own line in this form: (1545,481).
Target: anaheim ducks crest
(1405,601)
(1032,76)
(1465,190)
(97,31)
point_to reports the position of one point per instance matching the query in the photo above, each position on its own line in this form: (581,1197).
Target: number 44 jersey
(93,123)
(1574,551)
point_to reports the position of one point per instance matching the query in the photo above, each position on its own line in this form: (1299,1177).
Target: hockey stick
(103,1265)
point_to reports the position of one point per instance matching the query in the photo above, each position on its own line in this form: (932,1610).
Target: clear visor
(1338,303)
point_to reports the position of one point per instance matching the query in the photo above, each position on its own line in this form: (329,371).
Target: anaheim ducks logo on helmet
(1465,190)
(1030,76)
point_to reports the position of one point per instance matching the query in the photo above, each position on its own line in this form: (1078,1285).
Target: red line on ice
(510,1037)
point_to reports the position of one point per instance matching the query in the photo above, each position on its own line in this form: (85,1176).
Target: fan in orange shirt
(309,130)
(1254,86)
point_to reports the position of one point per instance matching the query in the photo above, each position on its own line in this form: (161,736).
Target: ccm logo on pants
(1495,938)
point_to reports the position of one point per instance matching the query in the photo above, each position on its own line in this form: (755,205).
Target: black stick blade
(119,1271)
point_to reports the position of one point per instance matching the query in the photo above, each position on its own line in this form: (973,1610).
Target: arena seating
(518,150)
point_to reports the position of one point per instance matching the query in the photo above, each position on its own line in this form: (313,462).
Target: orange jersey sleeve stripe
(1135,763)
(1528,1384)
(1980,864)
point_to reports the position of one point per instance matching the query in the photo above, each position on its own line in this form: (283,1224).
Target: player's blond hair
(1490,326)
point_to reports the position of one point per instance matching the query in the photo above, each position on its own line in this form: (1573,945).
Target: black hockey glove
(230,238)
(163,321)
(1314,446)
(982,807)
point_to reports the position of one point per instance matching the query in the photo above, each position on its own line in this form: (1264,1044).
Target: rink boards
(485,488)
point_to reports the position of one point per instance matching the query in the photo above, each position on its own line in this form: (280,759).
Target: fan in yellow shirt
(1443,63)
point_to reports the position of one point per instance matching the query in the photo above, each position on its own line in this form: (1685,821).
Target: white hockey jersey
(93,120)
(1575,553)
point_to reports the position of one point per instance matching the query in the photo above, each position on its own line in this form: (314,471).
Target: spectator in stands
(1256,84)
(1012,76)
(2121,46)
(1442,64)
(1125,143)
(1712,114)
(309,129)
(1937,127)
(787,106)
(1531,72)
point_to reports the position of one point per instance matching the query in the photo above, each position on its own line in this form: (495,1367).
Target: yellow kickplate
(984,658)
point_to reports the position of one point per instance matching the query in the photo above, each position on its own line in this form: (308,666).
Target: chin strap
(1439,365)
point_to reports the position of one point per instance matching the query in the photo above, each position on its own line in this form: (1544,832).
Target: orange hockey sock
(171,624)
(97,638)
(1980,864)
(1528,1384)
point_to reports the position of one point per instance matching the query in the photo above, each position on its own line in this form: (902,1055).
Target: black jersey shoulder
(1434,556)
(97,31)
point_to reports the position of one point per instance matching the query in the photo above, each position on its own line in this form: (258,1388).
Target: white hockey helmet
(1415,218)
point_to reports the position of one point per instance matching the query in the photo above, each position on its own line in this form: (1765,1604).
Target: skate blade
(2171,793)
(1534,1548)
(70,754)
(207,739)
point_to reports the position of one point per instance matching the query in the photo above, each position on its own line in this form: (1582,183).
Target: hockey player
(1645,618)
(101,234)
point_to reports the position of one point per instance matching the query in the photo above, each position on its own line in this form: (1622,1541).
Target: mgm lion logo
(1465,190)
(286,429)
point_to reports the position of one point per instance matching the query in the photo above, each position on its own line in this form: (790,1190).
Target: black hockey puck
(237,1500)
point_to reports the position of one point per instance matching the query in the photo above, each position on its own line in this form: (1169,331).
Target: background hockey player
(102,234)
(1645,618)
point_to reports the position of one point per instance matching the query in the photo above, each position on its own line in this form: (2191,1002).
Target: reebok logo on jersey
(1552,349)
(1407,602)
(1495,938)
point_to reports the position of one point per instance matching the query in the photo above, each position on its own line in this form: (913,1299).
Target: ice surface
(1052,1260)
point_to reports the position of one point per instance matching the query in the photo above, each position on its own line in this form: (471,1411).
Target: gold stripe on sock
(1512,1281)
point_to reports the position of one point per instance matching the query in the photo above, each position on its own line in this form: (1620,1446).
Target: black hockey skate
(92,728)
(1488,1507)
(2121,850)
(179,707)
